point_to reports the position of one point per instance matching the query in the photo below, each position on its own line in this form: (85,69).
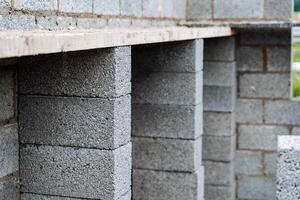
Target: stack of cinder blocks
(219,118)
(75,115)
(9,145)
(288,173)
(167,121)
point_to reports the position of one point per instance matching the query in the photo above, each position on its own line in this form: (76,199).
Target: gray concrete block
(78,73)
(282,112)
(4,6)
(118,23)
(9,150)
(80,122)
(220,49)
(29,196)
(32,5)
(213,192)
(296,131)
(236,9)
(219,173)
(256,188)
(167,88)
(14,22)
(199,9)
(91,23)
(75,172)
(184,56)
(9,189)
(270,163)
(151,8)
(167,154)
(248,163)
(270,36)
(131,8)
(279,59)
(55,22)
(76,6)
(265,85)
(216,148)
(277,9)
(153,185)
(180,9)
(219,98)
(219,73)
(218,124)
(250,59)
(260,137)
(288,174)
(141,23)
(169,121)
(6,95)
(249,111)
(106,7)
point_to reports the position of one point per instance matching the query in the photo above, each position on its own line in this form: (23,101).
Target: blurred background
(296,50)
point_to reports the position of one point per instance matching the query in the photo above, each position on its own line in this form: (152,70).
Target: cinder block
(282,112)
(288,174)
(55,22)
(180,8)
(131,8)
(169,121)
(265,85)
(277,9)
(249,111)
(220,49)
(106,7)
(218,123)
(279,59)
(184,56)
(167,154)
(199,9)
(14,22)
(80,122)
(219,73)
(75,172)
(76,6)
(270,163)
(6,95)
(219,173)
(236,9)
(296,131)
(216,148)
(248,163)
(151,8)
(213,192)
(219,98)
(4,6)
(118,23)
(141,23)
(33,5)
(168,88)
(250,59)
(256,188)
(260,137)
(78,73)
(90,23)
(28,196)
(153,185)
(9,189)
(9,150)
(271,36)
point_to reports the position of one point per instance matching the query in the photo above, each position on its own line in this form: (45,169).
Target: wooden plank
(16,43)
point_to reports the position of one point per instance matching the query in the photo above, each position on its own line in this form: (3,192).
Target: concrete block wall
(167,121)
(71,14)
(9,145)
(264,109)
(75,125)
(288,167)
(237,10)
(219,117)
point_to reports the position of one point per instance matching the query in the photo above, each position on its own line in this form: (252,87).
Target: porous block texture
(74,172)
